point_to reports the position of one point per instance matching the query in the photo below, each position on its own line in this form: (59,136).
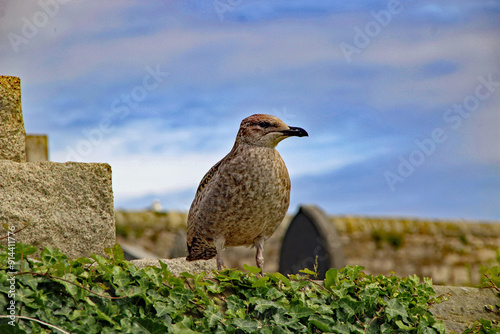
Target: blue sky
(401,99)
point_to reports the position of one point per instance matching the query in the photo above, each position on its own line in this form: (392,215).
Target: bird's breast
(246,198)
(257,194)
(259,173)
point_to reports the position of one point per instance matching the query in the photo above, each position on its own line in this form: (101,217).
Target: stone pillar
(12,135)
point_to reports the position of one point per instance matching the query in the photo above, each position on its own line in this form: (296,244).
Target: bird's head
(266,130)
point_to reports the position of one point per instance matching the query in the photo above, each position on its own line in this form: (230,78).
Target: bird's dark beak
(295,131)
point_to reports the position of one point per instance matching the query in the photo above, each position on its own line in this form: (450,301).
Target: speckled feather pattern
(242,198)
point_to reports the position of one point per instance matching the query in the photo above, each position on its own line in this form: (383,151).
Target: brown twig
(491,284)
(10,233)
(315,282)
(203,307)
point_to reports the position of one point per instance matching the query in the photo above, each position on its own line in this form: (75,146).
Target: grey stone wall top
(178,265)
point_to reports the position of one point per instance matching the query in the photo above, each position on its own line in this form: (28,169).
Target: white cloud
(138,175)
(146,156)
(400,57)
(480,135)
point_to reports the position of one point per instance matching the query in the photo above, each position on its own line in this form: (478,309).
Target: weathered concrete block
(37,148)
(68,206)
(12,144)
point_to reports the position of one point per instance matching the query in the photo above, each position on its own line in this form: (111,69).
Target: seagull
(244,197)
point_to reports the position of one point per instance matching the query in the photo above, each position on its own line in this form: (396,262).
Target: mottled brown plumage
(244,197)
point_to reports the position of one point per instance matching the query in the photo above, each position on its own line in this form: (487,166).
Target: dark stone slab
(311,239)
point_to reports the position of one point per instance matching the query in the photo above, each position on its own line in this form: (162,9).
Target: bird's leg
(259,257)
(219,246)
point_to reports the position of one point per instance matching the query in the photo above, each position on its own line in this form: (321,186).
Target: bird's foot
(259,256)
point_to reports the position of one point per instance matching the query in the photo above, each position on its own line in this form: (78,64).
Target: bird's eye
(265,125)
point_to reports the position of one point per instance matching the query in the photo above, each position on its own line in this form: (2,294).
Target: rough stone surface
(36,148)
(464,306)
(12,134)
(67,206)
(179,265)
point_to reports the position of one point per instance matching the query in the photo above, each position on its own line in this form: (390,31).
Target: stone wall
(450,252)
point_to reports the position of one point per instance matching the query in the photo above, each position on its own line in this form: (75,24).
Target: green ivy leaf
(105,317)
(260,282)
(279,277)
(320,324)
(129,291)
(121,278)
(181,296)
(187,275)
(262,305)
(155,301)
(246,325)
(307,271)
(117,253)
(22,251)
(401,325)
(331,278)
(252,269)
(161,308)
(395,309)
(352,272)
(5,328)
(151,326)
(301,311)
(71,288)
(51,257)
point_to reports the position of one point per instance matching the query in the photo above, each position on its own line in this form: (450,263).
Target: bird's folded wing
(208,176)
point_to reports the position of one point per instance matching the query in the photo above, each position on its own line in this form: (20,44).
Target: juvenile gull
(244,197)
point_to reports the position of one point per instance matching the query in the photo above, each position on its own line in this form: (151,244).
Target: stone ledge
(464,306)
(178,265)
(67,205)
